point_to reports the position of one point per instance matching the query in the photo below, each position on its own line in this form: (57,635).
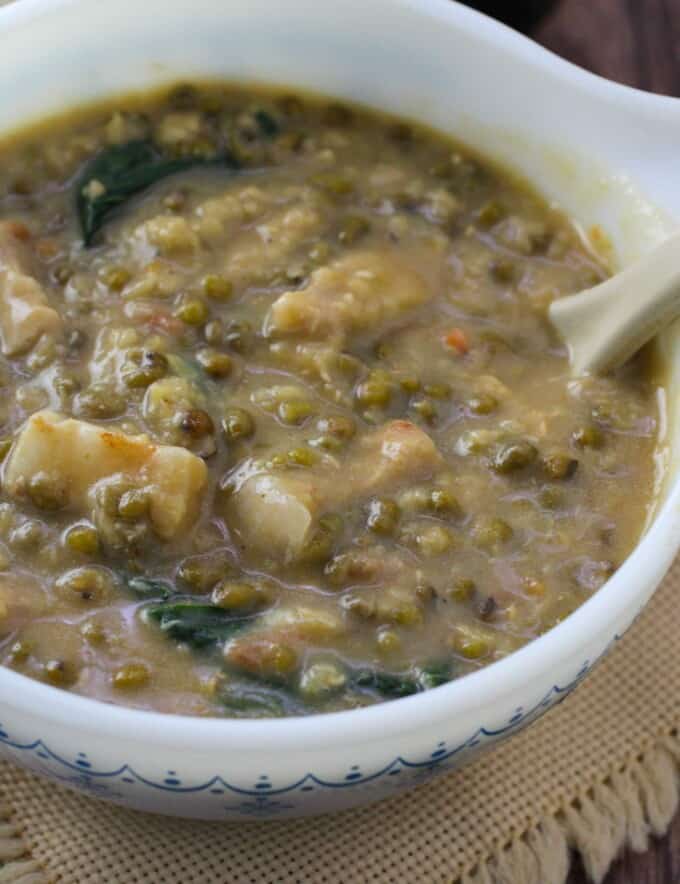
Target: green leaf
(120,172)
(435,674)
(198,625)
(391,685)
(385,683)
(266,123)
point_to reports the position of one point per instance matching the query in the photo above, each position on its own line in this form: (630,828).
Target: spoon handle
(603,326)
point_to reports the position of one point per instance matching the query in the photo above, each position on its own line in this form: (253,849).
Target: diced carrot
(457,340)
(46,249)
(19,230)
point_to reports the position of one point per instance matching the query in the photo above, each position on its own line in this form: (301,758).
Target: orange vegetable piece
(457,340)
(19,230)
(46,248)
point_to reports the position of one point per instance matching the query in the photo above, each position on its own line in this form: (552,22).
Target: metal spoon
(603,326)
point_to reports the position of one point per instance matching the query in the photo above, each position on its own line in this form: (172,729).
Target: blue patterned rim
(79,772)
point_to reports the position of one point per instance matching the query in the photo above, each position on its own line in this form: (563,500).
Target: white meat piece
(25,314)
(255,255)
(356,292)
(388,456)
(276,512)
(82,454)
(110,355)
(167,235)
(295,625)
(221,216)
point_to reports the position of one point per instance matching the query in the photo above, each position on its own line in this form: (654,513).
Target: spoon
(603,326)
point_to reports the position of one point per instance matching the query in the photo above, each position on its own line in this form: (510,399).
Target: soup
(285,428)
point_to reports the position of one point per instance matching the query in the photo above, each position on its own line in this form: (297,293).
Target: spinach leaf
(198,625)
(118,173)
(385,683)
(148,587)
(434,674)
(263,697)
(266,123)
(392,686)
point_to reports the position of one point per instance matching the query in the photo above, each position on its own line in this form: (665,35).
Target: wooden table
(635,42)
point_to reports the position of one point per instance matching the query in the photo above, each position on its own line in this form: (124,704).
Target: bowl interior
(579,139)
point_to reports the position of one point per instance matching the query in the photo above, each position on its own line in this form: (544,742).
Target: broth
(285,426)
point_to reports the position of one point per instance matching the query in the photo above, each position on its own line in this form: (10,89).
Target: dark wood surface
(636,42)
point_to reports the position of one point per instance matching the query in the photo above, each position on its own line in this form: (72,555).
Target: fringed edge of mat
(16,865)
(635,801)
(638,799)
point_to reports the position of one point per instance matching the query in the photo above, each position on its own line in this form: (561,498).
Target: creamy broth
(285,427)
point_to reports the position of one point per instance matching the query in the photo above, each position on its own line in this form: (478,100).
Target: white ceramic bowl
(606,153)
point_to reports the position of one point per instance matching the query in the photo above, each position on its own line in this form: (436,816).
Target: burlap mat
(600,771)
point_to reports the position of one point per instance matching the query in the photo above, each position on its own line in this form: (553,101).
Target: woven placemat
(600,771)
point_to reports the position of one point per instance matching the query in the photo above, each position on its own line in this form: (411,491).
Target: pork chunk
(25,314)
(258,254)
(277,513)
(392,454)
(357,292)
(221,216)
(293,626)
(80,454)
